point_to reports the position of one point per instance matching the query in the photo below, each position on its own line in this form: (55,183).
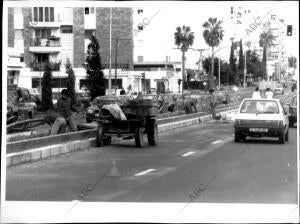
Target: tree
(184,38)
(47,102)
(213,35)
(265,41)
(71,81)
(95,76)
(232,63)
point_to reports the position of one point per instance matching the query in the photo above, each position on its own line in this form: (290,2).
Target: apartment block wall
(122,25)
(28,57)
(78,32)
(11,31)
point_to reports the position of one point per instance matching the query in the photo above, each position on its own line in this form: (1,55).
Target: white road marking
(187,154)
(216,142)
(144,172)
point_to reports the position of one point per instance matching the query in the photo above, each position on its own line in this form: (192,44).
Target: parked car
(261,118)
(293,111)
(279,89)
(20,105)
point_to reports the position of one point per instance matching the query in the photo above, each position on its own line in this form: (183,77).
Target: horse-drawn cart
(140,119)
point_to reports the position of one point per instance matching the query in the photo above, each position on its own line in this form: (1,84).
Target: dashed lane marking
(144,172)
(187,154)
(216,142)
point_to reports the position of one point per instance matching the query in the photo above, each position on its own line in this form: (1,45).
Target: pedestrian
(256,94)
(212,103)
(269,94)
(66,109)
(57,122)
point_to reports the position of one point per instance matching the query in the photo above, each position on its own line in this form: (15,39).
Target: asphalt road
(200,163)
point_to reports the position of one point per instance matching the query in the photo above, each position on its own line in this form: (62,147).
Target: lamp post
(248,44)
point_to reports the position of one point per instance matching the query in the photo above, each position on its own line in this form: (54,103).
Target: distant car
(279,89)
(293,111)
(261,118)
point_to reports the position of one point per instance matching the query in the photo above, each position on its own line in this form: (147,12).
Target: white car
(261,118)
(279,89)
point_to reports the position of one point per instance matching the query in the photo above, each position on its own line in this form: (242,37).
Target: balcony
(41,45)
(40,66)
(52,24)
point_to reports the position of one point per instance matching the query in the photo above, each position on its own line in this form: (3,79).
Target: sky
(159,34)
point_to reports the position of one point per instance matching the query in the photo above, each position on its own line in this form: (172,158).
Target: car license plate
(258,129)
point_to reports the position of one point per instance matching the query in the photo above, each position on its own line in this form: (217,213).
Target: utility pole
(219,74)
(109,75)
(116,63)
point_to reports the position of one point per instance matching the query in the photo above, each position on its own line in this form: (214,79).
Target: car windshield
(279,85)
(259,107)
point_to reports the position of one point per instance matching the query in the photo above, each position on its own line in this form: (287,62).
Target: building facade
(56,35)
(277,58)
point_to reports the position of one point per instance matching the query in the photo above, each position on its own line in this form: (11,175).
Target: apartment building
(276,54)
(39,35)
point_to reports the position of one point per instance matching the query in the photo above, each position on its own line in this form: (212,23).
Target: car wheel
(282,137)
(139,138)
(287,135)
(237,137)
(100,142)
(152,132)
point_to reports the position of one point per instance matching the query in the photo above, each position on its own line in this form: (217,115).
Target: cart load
(140,119)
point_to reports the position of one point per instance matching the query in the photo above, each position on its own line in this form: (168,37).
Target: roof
(262,99)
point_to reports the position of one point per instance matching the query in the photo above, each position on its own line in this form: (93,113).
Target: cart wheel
(107,140)
(100,142)
(139,138)
(152,133)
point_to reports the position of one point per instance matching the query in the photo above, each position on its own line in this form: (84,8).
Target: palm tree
(265,41)
(213,35)
(184,38)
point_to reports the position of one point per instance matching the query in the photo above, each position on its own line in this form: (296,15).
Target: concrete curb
(60,149)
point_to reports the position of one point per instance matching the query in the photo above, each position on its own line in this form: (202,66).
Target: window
(273,17)
(88,10)
(41,14)
(22,59)
(140,27)
(43,33)
(45,14)
(264,107)
(89,33)
(178,69)
(35,14)
(140,58)
(41,58)
(66,29)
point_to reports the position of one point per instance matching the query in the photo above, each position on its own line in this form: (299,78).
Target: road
(200,163)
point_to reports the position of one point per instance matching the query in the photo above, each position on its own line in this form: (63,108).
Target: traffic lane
(257,171)
(100,180)
(64,177)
